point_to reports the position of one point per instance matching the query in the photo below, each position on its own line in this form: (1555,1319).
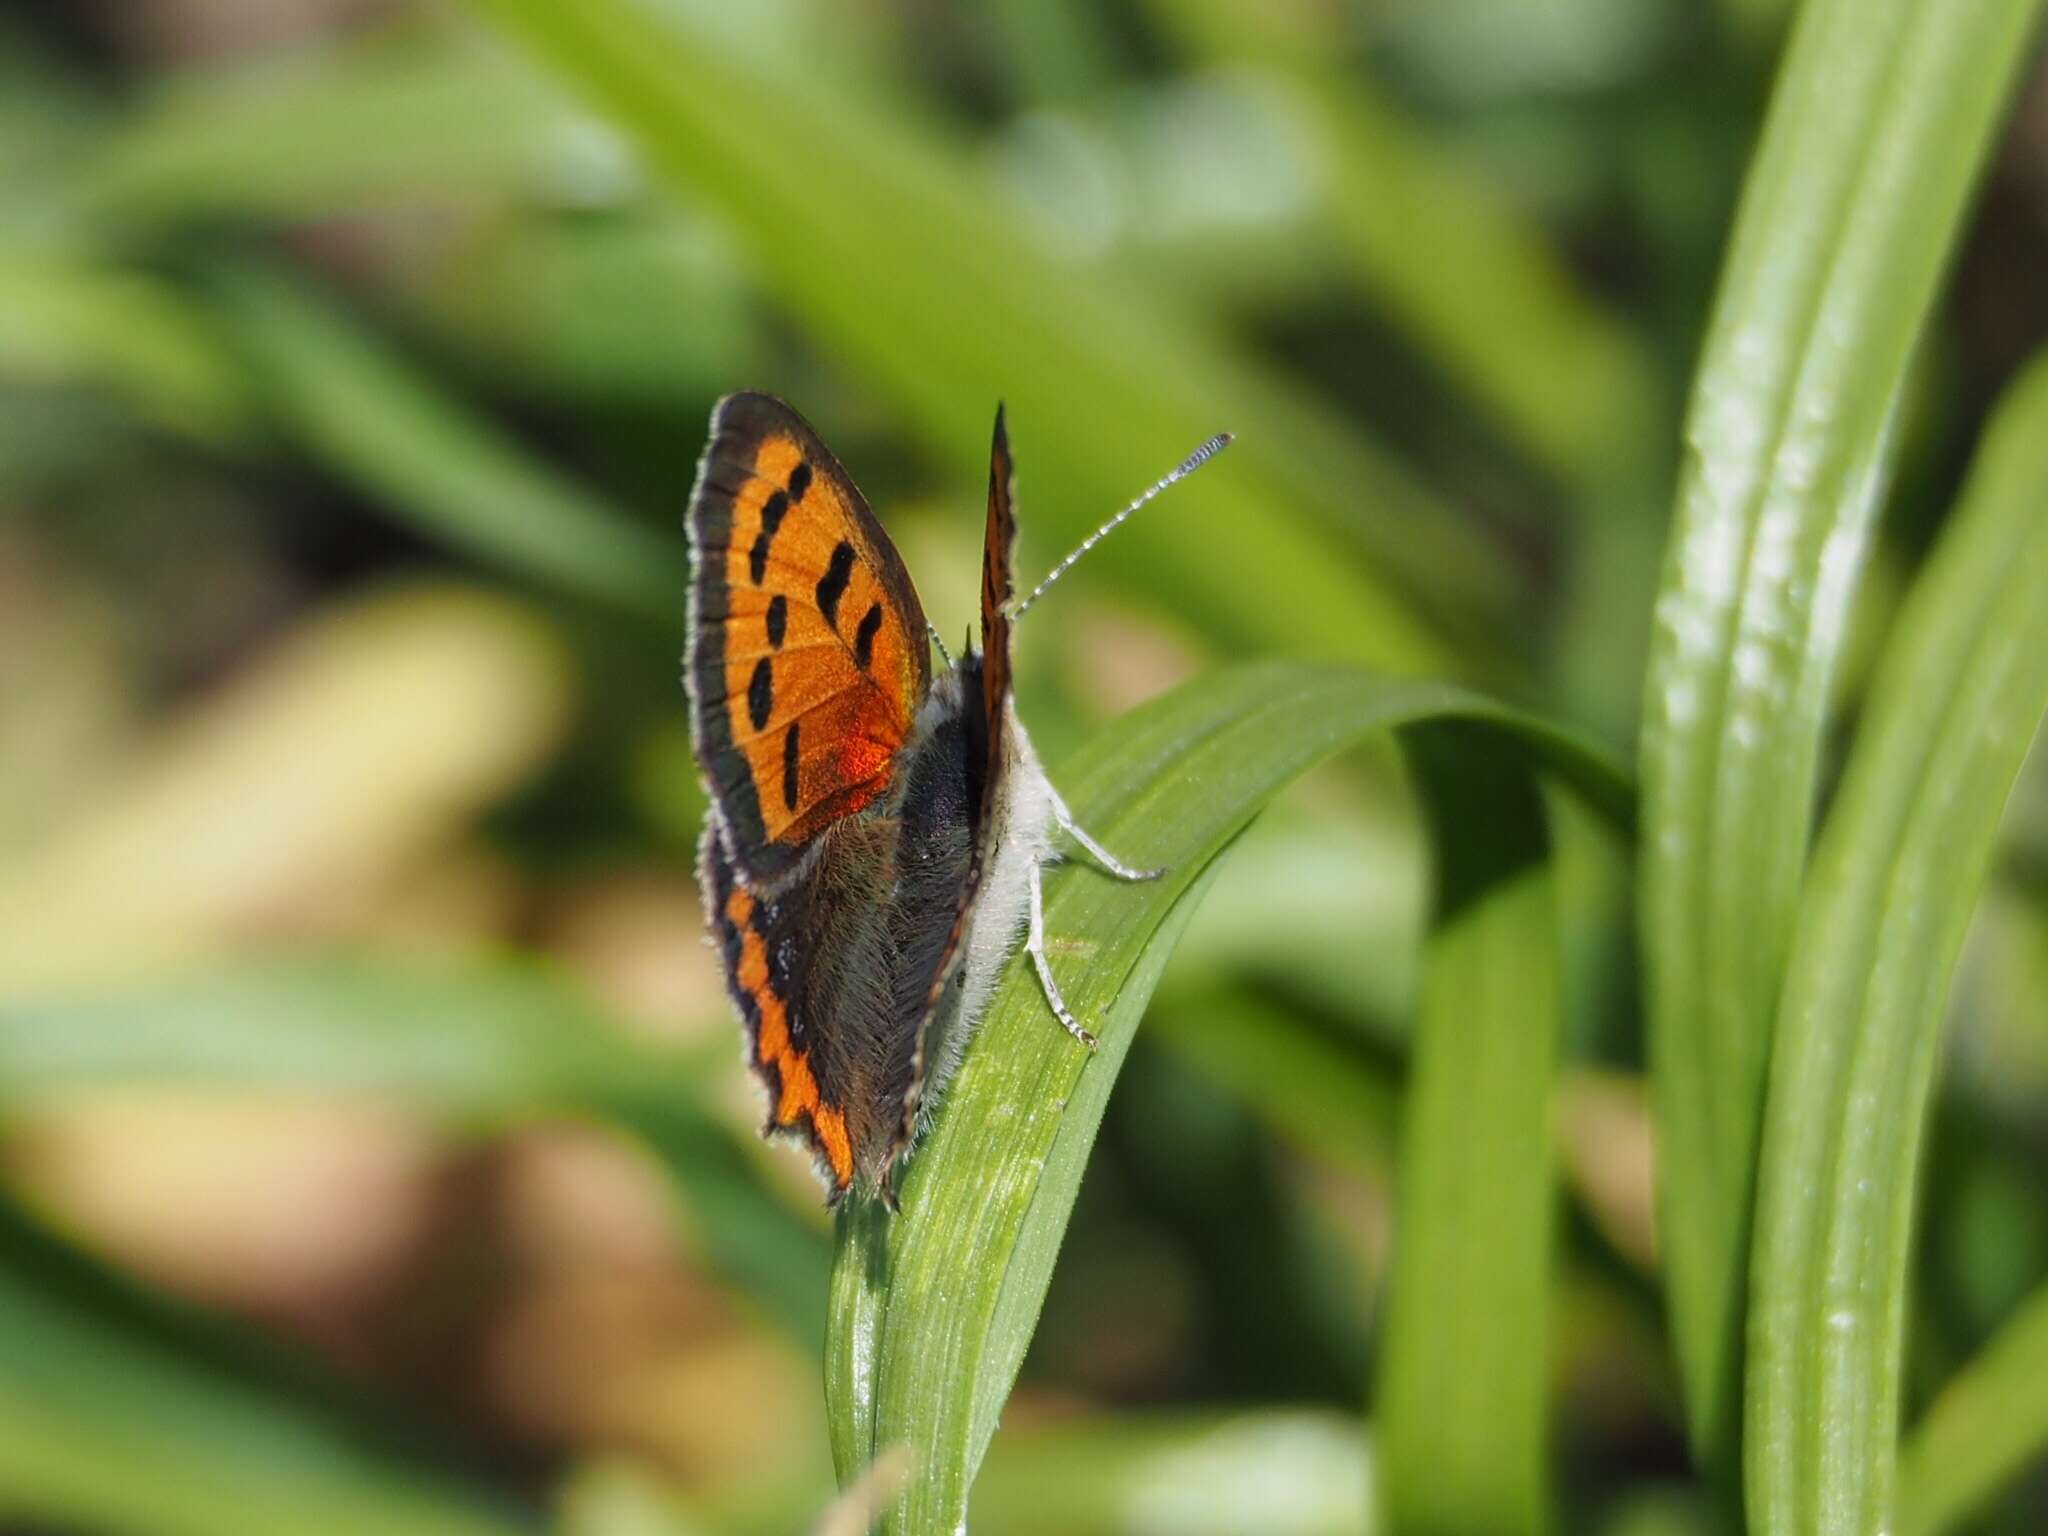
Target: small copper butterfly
(877,836)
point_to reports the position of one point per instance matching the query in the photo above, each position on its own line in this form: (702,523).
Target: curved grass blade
(1986,1426)
(484,1047)
(1957,697)
(1882,116)
(1464,1367)
(945,302)
(932,1309)
(119,1412)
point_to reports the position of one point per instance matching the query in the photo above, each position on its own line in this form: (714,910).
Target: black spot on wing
(799,480)
(864,639)
(761,694)
(772,513)
(832,585)
(778,620)
(789,761)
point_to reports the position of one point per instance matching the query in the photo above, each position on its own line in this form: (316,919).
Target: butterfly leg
(1034,945)
(1108,862)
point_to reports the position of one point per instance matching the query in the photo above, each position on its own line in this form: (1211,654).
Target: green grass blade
(484,1047)
(355,406)
(1986,1426)
(121,1413)
(1464,1367)
(1954,702)
(1882,116)
(932,1309)
(943,300)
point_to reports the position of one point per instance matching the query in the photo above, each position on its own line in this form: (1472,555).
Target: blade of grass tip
(123,1414)
(945,302)
(1985,1427)
(932,1310)
(356,407)
(1883,113)
(1464,1363)
(1954,702)
(484,1047)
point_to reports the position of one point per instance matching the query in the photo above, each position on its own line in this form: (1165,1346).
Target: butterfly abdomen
(1019,841)
(1022,822)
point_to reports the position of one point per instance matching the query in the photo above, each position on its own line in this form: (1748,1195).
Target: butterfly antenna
(933,630)
(1181,471)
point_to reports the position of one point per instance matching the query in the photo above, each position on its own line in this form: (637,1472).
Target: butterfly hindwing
(759,942)
(808,658)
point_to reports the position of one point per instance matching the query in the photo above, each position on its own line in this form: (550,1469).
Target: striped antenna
(1181,471)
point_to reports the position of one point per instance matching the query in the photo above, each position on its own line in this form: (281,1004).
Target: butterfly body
(876,835)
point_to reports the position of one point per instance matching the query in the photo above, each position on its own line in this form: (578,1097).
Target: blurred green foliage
(376,1151)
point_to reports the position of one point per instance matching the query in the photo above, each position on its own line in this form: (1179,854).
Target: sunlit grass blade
(1882,115)
(932,1309)
(1464,1365)
(1986,1426)
(944,302)
(120,1413)
(352,403)
(1953,705)
(480,1047)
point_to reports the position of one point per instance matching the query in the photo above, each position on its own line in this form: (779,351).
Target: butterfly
(877,835)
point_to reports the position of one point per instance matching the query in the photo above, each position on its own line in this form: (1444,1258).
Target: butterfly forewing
(808,659)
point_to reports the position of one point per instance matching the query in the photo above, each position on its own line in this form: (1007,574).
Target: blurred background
(374,1138)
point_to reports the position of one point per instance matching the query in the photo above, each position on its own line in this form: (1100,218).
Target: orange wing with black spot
(760,948)
(808,658)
